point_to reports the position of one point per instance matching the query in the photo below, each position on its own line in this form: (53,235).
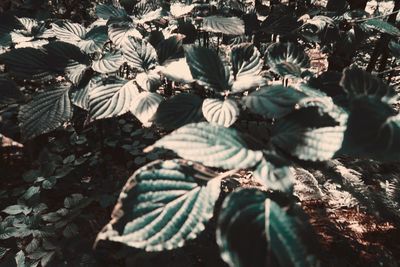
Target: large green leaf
(179,110)
(177,70)
(144,106)
(80,97)
(274,101)
(108,63)
(358,83)
(212,145)
(170,48)
(224,25)
(290,236)
(94,40)
(111,99)
(246,66)
(108,11)
(220,112)
(286,58)
(208,69)
(382,26)
(373,130)
(162,206)
(139,54)
(69,32)
(119,32)
(296,135)
(46,112)
(241,229)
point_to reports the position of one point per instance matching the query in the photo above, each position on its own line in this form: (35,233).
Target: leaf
(207,68)
(149,81)
(80,97)
(212,145)
(3,252)
(224,25)
(111,99)
(394,48)
(170,48)
(286,58)
(220,112)
(296,136)
(119,32)
(108,11)
(359,83)
(273,101)
(144,106)
(382,26)
(94,40)
(274,172)
(162,206)
(289,235)
(9,93)
(280,24)
(17,209)
(46,112)
(68,32)
(373,130)
(70,230)
(241,229)
(177,70)
(6,231)
(139,54)
(109,63)
(28,63)
(179,110)
(73,201)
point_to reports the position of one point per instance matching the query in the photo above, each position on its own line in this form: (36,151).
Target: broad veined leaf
(9,93)
(241,229)
(162,206)
(144,106)
(316,29)
(180,9)
(290,236)
(65,56)
(224,25)
(108,11)
(76,73)
(111,99)
(296,135)
(28,63)
(119,32)
(246,66)
(80,97)
(329,83)
(358,83)
(109,63)
(94,40)
(373,130)
(139,54)
(274,101)
(69,32)
(46,112)
(220,112)
(212,145)
(274,172)
(208,69)
(177,70)
(382,26)
(280,24)
(286,58)
(170,48)
(179,110)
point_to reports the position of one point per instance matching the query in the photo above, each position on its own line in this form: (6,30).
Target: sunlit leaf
(139,54)
(145,105)
(225,25)
(220,112)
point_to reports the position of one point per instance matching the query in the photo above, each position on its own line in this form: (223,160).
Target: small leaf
(286,58)
(111,99)
(139,54)
(179,110)
(358,83)
(220,112)
(144,106)
(162,206)
(3,252)
(241,229)
(212,145)
(46,112)
(17,209)
(208,69)
(274,101)
(382,26)
(224,25)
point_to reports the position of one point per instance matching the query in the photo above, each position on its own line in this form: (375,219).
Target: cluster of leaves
(199,68)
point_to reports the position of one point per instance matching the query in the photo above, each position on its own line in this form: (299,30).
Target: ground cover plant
(213,133)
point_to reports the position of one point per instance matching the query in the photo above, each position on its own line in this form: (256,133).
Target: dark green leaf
(170,48)
(212,145)
(382,26)
(9,93)
(224,25)
(108,11)
(162,206)
(46,112)
(208,69)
